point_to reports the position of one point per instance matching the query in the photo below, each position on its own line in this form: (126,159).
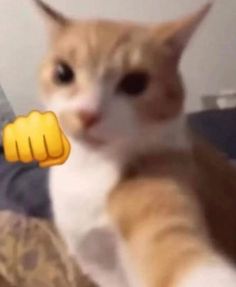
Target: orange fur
(171,206)
(174,209)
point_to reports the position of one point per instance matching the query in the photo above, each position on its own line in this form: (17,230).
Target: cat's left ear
(177,34)
(54,19)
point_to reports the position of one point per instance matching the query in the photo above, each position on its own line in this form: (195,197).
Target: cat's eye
(63,74)
(134,83)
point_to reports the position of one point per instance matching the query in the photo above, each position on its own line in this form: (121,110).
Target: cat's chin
(99,139)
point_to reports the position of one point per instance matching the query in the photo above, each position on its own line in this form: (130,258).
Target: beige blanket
(32,254)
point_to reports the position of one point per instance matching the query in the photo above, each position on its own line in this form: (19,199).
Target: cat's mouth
(93,141)
(73,127)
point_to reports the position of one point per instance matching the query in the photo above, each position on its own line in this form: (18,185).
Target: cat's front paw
(211,274)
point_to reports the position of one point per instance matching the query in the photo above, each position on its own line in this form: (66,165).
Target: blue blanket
(23,188)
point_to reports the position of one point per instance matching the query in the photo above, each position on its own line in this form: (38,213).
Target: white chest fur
(79,189)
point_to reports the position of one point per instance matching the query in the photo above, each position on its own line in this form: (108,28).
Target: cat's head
(109,81)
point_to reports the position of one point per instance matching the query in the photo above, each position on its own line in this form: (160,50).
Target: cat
(141,201)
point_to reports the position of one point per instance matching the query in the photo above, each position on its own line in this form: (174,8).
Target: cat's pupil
(134,83)
(64,74)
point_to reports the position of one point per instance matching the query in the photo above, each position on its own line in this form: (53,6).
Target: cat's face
(110,81)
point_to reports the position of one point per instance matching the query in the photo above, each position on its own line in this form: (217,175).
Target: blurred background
(209,66)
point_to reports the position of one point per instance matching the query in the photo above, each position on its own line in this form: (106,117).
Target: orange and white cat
(135,201)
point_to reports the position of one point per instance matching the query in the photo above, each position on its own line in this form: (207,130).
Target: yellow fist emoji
(36,137)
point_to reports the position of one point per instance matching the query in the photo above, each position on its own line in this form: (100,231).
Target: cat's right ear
(54,19)
(177,34)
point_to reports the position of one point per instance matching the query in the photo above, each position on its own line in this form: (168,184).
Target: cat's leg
(98,259)
(164,237)
(209,273)
(103,277)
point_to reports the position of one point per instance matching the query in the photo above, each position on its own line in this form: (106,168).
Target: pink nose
(89,119)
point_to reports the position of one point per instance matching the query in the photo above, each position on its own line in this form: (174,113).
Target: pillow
(219,128)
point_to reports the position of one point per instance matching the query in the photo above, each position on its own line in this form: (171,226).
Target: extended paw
(218,274)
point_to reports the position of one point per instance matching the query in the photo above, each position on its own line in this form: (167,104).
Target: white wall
(209,65)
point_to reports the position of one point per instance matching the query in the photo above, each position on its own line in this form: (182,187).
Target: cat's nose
(89,118)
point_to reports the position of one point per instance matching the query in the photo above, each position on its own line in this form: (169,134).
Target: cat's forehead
(95,41)
(94,33)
